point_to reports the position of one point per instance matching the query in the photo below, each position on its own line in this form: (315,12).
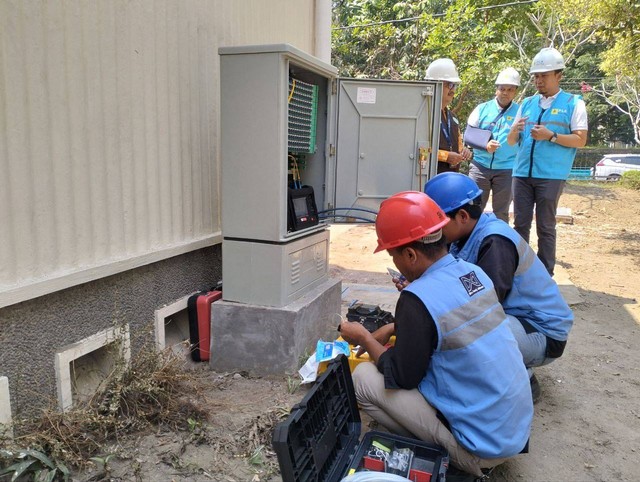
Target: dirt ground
(587,424)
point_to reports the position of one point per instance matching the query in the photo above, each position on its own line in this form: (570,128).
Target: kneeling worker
(455,376)
(539,316)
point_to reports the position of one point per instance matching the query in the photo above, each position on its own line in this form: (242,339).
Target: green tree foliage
(598,38)
(398,40)
(605,122)
(615,26)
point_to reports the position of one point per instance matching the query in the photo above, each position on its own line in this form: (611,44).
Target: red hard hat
(406,217)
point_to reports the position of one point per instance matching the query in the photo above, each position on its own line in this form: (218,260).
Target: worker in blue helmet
(539,317)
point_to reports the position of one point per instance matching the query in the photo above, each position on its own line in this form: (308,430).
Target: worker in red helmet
(455,376)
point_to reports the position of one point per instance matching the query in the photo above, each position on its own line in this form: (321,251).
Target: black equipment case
(371,317)
(318,442)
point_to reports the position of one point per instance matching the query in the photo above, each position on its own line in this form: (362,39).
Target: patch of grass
(257,457)
(631,180)
(293,383)
(302,359)
(103,464)
(153,389)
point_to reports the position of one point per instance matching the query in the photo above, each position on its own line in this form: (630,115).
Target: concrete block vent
(82,367)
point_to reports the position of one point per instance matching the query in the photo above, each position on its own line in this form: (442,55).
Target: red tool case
(199,309)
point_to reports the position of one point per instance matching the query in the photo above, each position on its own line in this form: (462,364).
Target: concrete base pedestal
(266,340)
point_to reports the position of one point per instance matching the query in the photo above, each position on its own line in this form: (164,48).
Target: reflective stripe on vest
(543,159)
(534,296)
(462,332)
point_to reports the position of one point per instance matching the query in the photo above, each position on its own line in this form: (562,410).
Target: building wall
(108,130)
(33,331)
(109,158)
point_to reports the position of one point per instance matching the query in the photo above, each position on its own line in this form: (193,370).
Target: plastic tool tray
(319,440)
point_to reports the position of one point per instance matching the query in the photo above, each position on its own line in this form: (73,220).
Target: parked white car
(612,166)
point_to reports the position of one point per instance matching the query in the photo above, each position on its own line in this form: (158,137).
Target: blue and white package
(327,350)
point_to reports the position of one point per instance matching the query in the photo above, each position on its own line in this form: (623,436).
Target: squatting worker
(455,376)
(548,128)
(452,150)
(491,167)
(539,317)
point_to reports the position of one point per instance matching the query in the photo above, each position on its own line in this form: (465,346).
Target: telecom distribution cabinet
(299,145)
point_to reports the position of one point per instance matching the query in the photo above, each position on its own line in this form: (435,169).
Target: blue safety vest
(545,159)
(504,157)
(534,296)
(476,377)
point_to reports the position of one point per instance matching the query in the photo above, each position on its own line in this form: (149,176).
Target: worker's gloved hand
(401,283)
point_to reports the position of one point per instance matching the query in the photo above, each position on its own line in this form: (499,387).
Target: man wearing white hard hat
(452,150)
(548,129)
(492,164)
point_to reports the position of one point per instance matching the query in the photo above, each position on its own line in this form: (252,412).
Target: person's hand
(400,283)
(466,154)
(454,158)
(519,126)
(381,335)
(353,332)
(540,133)
(492,146)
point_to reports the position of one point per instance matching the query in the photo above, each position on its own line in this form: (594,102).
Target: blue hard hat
(451,190)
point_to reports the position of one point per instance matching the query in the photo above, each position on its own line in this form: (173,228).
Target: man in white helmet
(452,150)
(548,128)
(492,165)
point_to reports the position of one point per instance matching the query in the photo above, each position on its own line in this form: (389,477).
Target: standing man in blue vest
(539,317)
(455,376)
(491,167)
(548,129)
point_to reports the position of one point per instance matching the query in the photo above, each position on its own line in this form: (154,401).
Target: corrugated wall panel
(108,130)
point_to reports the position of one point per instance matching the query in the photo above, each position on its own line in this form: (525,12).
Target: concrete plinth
(266,340)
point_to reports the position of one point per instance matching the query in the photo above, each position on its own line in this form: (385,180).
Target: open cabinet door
(387,140)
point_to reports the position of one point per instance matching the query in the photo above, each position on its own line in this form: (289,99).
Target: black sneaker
(535,389)
(456,475)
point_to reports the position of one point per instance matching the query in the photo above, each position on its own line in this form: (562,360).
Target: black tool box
(371,317)
(319,441)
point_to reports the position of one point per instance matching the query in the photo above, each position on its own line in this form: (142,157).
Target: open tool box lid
(316,442)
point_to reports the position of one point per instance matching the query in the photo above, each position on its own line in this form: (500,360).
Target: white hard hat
(508,76)
(442,69)
(547,60)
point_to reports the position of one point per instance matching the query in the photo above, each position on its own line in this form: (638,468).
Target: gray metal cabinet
(369,139)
